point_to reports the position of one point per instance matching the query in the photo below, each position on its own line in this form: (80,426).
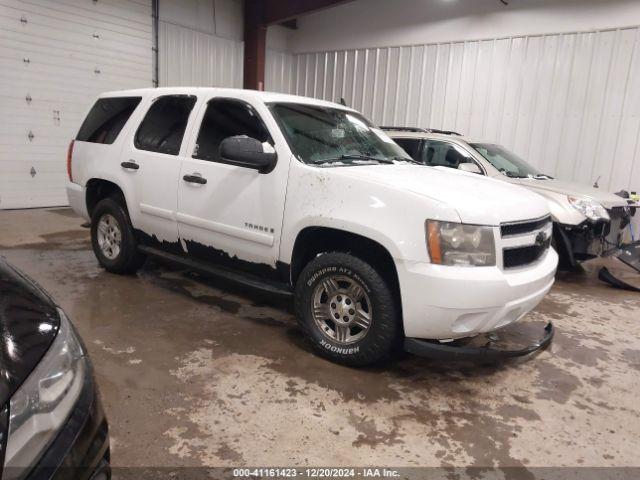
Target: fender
(125,192)
(347,227)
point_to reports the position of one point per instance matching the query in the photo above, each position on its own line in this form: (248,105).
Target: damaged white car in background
(587,222)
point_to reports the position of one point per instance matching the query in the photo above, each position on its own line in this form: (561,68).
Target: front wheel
(347,310)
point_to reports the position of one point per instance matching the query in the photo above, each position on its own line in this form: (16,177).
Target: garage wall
(280,71)
(569,103)
(200,43)
(55,57)
(189,57)
(375,23)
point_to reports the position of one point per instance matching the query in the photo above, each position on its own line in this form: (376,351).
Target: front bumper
(593,239)
(487,352)
(446,302)
(81,449)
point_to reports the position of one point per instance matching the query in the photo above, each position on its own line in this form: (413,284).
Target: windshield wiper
(542,176)
(344,157)
(406,159)
(511,174)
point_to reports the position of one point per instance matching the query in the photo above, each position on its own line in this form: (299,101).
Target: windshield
(507,162)
(319,135)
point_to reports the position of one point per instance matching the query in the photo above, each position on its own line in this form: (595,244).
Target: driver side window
(227,118)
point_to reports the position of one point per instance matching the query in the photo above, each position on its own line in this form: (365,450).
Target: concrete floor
(197,373)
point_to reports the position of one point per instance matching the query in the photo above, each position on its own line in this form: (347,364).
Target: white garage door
(55,57)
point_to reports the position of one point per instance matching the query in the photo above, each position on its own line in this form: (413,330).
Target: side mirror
(470,167)
(247,152)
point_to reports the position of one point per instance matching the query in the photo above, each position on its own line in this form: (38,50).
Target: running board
(241,278)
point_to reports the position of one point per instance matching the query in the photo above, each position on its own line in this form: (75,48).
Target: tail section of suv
(307,197)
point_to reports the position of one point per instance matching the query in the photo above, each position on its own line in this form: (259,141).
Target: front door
(230,214)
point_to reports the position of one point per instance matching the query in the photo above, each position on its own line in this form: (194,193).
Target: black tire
(566,260)
(383,333)
(129,259)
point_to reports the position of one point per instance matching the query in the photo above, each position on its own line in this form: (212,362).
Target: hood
(29,322)
(476,199)
(606,199)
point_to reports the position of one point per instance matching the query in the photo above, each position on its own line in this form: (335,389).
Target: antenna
(595,184)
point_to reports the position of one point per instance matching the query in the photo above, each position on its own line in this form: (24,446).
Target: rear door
(151,159)
(235,217)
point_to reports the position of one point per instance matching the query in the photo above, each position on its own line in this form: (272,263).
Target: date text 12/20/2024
(315,473)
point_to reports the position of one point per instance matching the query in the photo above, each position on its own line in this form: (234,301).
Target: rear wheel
(112,238)
(347,310)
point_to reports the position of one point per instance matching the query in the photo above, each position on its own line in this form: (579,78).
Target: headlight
(42,404)
(452,243)
(589,208)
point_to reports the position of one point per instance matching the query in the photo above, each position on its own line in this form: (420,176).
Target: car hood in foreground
(29,323)
(606,199)
(476,199)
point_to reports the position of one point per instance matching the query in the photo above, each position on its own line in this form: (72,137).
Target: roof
(254,95)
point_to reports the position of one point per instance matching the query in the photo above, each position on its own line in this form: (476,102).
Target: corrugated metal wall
(189,57)
(280,71)
(569,103)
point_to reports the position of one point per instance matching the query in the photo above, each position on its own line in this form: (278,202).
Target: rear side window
(410,145)
(444,154)
(164,124)
(106,119)
(227,118)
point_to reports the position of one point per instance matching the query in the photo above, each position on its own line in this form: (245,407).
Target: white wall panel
(279,71)
(569,103)
(60,54)
(189,57)
(379,23)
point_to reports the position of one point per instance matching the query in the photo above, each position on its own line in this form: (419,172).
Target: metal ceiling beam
(278,11)
(258,15)
(255,42)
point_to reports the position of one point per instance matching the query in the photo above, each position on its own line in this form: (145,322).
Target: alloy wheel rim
(342,309)
(109,236)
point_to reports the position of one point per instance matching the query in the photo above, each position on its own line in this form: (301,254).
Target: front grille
(525,242)
(520,256)
(521,228)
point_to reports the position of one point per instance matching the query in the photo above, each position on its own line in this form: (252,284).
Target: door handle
(195,178)
(130,165)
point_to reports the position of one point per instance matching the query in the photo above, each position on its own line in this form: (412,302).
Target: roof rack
(405,129)
(443,132)
(422,130)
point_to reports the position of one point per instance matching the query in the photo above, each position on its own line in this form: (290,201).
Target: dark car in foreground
(52,424)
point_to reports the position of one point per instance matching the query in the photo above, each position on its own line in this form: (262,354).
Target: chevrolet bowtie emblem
(541,238)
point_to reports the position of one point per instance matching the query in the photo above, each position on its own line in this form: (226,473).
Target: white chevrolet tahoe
(307,197)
